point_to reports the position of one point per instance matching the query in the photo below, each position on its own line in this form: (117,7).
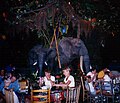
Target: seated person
(2,75)
(69,80)
(107,81)
(48,79)
(92,73)
(101,74)
(90,87)
(14,85)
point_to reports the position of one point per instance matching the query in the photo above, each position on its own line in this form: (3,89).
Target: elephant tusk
(81,64)
(35,63)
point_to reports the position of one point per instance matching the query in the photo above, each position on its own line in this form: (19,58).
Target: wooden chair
(40,96)
(23,89)
(9,97)
(84,90)
(73,94)
(24,84)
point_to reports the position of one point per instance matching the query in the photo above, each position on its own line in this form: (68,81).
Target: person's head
(89,78)
(93,70)
(109,73)
(2,72)
(105,69)
(66,71)
(13,79)
(47,73)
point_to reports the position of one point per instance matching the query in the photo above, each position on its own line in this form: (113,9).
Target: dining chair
(108,87)
(40,96)
(24,84)
(9,96)
(73,94)
(86,95)
(23,90)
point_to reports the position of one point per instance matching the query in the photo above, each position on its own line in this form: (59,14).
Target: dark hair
(47,70)
(15,74)
(92,69)
(66,68)
(89,77)
(107,72)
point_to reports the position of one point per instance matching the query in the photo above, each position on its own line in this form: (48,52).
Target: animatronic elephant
(69,49)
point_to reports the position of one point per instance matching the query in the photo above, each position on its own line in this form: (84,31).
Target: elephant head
(71,48)
(39,56)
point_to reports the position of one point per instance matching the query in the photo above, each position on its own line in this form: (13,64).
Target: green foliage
(105,11)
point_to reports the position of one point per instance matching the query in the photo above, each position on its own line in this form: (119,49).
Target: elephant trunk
(41,60)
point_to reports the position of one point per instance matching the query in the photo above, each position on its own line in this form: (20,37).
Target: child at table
(48,80)
(69,80)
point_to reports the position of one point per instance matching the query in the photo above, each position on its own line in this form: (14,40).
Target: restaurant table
(57,96)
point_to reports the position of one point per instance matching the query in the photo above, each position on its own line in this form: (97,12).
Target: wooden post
(56,44)
(52,41)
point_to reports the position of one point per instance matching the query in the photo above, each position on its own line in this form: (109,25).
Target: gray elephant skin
(69,49)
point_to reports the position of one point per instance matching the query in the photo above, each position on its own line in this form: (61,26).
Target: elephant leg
(86,63)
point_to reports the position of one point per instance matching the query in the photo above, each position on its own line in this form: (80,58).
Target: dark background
(15,50)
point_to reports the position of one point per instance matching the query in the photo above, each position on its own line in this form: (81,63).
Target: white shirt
(70,78)
(7,82)
(91,87)
(48,83)
(91,75)
(107,78)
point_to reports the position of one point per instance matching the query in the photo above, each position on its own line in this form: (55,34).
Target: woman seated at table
(101,74)
(108,81)
(48,79)
(69,80)
(90,86)
(11,83)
